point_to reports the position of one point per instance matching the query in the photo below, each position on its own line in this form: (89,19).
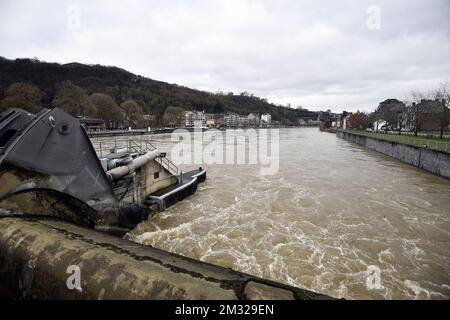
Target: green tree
(393,112)
(107,109)
(22,95)
(72,99)
(134,114)
(173,116)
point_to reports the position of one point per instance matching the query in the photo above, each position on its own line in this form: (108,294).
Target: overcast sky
(318,54)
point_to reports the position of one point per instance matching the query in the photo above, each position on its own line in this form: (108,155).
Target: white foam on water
(319,223)
(419,292)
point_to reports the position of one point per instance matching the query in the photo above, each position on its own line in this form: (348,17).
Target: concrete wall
(437,162)
(37,259)
(151,184)
(148,182)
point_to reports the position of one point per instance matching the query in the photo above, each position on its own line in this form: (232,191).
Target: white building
(266,118)
(345,122)
(195,119)
(232,120)
(379,125)
(211,123)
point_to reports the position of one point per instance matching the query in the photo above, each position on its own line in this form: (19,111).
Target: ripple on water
(332,210)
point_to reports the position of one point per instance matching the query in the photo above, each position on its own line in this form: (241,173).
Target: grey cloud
(319,54)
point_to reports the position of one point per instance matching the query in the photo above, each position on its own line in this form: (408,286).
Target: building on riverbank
(232,120)
(92,124)
(266,119)
(195,119)
(228,120)
(429,115)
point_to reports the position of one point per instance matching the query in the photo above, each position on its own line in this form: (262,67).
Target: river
(332,212)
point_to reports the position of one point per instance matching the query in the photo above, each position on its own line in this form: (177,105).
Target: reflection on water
(333,209)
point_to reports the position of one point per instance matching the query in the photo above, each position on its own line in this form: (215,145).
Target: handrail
(163,161)
(137,146)
(169,165)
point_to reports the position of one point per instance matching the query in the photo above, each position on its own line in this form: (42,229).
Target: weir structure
(49,167)
(41,259)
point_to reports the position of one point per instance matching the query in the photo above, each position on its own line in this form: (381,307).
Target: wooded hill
(153,96)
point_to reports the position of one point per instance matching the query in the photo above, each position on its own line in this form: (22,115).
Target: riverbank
(137,132)
(433,160)
(329,130)
(430,142)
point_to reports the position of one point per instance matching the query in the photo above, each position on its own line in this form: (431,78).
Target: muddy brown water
(333,209)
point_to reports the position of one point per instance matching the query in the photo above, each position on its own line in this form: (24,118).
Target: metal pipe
(119,172)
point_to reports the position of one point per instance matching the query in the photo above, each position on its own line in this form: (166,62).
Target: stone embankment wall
(437,162)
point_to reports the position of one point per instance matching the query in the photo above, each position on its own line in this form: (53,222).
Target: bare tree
(416,110)
(442,94)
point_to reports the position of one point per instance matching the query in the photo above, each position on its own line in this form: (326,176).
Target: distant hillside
(121,85)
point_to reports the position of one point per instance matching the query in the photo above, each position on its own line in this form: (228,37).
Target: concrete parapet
(39,259)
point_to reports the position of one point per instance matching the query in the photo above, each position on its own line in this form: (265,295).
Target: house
(211,123)
(266,119)
(195,119)
(92,124)
(432,115)
(220,122)
(345,121)
(252,120)
(212,120)
(232,120)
